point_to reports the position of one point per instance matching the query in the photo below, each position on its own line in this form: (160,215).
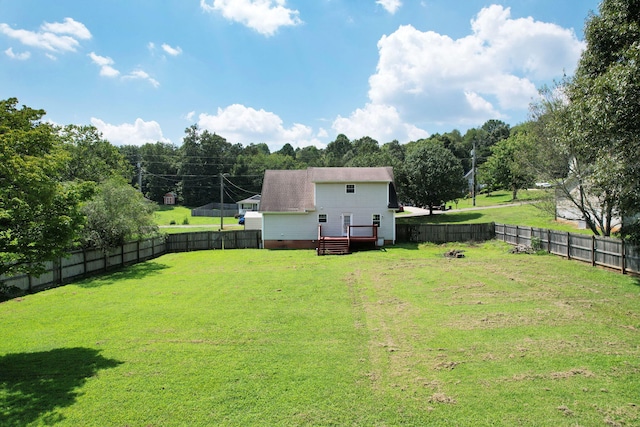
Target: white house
(301,208)
(252,204)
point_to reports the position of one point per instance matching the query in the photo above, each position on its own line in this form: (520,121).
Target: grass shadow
(35,385)
(133,272)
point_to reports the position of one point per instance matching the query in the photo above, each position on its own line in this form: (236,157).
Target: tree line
(190,170)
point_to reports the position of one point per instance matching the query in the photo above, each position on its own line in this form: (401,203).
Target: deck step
(333,247)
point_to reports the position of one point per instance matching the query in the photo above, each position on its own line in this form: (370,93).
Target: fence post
(517,236)
(568,245)
(548,240)
(624,257)
(138,251)
(122,255)
(593,250)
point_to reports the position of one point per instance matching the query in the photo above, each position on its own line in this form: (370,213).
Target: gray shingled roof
(286,191)
(292,190)
(380,174)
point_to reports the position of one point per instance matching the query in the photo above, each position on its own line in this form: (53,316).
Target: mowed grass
(173,219)
(502,197)
(380,338)
(524,215)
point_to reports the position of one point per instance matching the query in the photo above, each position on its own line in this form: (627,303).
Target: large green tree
(508,166)
(39,216)
(595,125)
(431,176)
(91,156)
(159,164)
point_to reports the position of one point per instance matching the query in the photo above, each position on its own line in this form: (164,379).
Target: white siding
(252,221)
(369,199)
(290,226)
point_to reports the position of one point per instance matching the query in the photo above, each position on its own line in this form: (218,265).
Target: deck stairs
(333,246)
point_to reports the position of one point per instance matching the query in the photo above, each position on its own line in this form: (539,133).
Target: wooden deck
(341,245)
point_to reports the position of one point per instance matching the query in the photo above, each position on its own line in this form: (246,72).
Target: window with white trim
(376,220)
(351,188)
(322,217)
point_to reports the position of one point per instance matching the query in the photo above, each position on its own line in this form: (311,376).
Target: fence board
(597,250)
(442,233)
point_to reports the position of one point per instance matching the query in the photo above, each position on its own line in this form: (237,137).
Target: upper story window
(376,220)
(322,217)
(351,188)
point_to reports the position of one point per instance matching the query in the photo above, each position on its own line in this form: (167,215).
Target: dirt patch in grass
(441,398)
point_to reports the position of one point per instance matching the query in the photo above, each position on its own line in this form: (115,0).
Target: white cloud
(190,115)
(54,37)
(432,78)
(246,125)
(138,133)
(380,122)
(426,78)
(69,26)
(105,63)
(390,6)
(263,16)
(107,70)
(19,56)
(173,51)
(141,75)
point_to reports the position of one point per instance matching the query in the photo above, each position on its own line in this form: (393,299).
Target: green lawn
(381,338)
(501,197)
(181,216)
(527,215)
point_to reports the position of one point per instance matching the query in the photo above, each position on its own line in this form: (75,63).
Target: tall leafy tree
(431,176)
(508,166)
(39,216)
(204,155)
(604,100)
(159,164)
(337,150)
(597,126)
(91,157)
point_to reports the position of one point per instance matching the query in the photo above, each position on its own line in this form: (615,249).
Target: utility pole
(473,173)
(221,200)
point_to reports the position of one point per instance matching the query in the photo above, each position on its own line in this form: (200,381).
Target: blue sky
(278,71)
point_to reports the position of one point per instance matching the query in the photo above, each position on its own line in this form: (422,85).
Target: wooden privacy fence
(596,250)
(81,263)
(443,233)
(200,241)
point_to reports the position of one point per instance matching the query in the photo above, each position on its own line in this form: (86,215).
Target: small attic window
(351,188)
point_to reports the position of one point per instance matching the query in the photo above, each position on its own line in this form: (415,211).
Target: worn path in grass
(381,338)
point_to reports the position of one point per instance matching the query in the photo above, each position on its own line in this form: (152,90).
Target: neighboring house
(249,205)
(169,198)
(302,207)
(567,210)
